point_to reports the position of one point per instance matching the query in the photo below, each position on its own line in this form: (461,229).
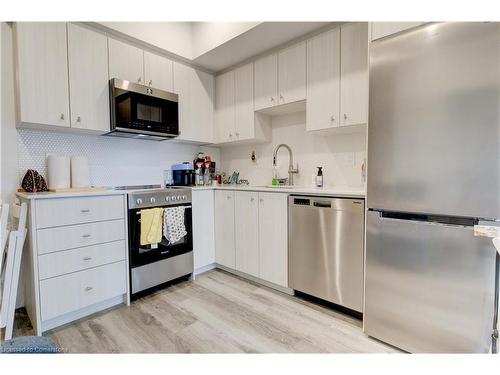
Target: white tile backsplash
(340,155)
(112,161)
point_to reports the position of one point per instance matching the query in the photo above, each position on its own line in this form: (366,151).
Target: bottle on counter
(199,177)
(319,177)
(275,181)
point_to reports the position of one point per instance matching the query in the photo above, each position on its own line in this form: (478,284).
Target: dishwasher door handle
(324,204)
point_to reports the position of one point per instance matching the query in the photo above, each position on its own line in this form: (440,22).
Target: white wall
(340,155)
(8,122)
(175,37)
(209,35)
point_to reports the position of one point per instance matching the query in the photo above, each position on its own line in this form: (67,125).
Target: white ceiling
(215,46)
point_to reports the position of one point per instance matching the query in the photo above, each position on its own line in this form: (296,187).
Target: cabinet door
(243,102)
(323,81)
(273,238)
(382,29)
(246,230)
(224,107)
(203,228)
(43,73)
(224,228)
(158,72)
(125,62)
(354,74)
(195,90)
(88,79)
(292,74)
(266,82)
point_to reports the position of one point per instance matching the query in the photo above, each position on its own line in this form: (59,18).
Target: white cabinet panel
(68,261)
(292,74)
(382,29)
(247,232)
(68,211)
(196,108)
(266,82)
(323,81)
(69,237)
(243,103)
(88,79)
(354,74)
(224,228)
(64,294)
(224,107)
(273,238)
(43,73)
(125,62)
(203,228)
(158,72)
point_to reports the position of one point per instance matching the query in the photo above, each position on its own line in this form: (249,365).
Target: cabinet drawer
(69,211)
(63,262)
(62,238)
(64,294)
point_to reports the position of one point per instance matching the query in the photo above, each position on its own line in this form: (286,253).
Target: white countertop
(330,191)
(51,195)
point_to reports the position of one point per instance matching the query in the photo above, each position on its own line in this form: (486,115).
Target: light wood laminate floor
(216,313)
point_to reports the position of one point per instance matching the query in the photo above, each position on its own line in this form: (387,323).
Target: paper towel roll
(80,176)
(58,171)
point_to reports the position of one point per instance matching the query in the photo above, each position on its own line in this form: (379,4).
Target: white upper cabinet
(88,79)
(354,74)
(243,102)
(158,72)
(266,82)
(292,74)
(246,232)
(224,107)
(196,108)
(382,29)
(273,238)
(224,228)
(43,73)
(126,62)
(323,81)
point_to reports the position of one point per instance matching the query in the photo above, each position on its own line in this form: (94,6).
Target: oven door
(142,255)
(143,110)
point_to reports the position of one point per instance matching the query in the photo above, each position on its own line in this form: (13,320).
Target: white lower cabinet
(273,238)
(246,229)
(76,260)
(251,234)
(224,228)
(203,229)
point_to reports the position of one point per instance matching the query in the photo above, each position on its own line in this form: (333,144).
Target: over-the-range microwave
(143,112)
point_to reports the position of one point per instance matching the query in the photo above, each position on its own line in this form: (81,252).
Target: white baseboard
(204,269)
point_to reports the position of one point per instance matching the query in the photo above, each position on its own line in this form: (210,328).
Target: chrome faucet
(291,169)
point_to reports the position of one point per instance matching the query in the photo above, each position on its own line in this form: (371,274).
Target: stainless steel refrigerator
(433,172)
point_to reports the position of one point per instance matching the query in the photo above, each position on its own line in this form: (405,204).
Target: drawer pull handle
(86,235)
(88,289)
(85,211)
(87,258)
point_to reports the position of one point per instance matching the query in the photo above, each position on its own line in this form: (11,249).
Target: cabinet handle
(230,135)
(281,97)
(87,258)
(86,235)
(84,211)
(345,116)
(139,79)
(62,116)
(88,289)
(332,119)
(228,197)
(237,134)
(272,99)
(261,200)
(252,199)
(150,82)
(78,119)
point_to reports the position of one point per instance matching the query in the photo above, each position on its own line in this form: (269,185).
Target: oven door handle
(139,212)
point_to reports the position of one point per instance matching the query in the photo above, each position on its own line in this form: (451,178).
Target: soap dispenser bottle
(319,177)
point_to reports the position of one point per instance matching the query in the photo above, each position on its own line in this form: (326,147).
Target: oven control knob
(138,201)
(178,197)
(152,200)
(173,198)
(184,197)
(167,199)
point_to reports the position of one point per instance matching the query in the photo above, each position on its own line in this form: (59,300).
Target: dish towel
(151,226)
(173,224)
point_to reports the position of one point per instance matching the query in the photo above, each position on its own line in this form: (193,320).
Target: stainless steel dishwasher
(326,238)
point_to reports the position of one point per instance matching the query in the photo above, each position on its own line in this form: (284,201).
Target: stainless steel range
(154,265)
